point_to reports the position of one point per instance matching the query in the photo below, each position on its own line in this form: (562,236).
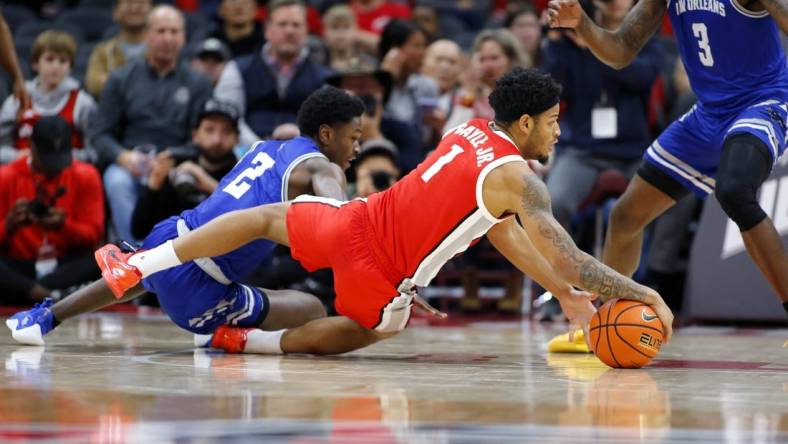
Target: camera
(381,180)
(184,183)
(182,153)
(39,207)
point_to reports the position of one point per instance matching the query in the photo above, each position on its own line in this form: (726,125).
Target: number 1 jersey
(437,211)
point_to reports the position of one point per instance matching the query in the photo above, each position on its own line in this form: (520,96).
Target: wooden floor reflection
(123,378)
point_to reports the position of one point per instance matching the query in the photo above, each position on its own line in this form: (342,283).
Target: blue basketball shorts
(689,150)
(194,299)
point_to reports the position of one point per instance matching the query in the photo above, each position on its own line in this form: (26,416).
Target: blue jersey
(260,177)
(733,56)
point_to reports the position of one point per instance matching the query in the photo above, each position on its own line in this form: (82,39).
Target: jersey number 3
(239,186)
(701,33)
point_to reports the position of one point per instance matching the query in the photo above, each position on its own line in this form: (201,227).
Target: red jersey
(376,19)
(30,117)
(437,211)
(83,201)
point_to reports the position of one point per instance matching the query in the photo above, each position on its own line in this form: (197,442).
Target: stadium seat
(32,29)
(16,16)
(92,21)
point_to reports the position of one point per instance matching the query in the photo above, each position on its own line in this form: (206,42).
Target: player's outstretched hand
(663,311)
(564,13)
(579,310)
(426,307)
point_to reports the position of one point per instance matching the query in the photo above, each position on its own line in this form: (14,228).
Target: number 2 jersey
(436,211)
(260,177)
(733,56)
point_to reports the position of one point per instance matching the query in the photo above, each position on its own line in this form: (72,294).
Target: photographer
(182,177)
(375,167)
(51,217)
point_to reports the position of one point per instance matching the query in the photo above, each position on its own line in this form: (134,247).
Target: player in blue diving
(728,142)
(201,295)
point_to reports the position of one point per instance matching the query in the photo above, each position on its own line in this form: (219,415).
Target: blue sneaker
(30,326)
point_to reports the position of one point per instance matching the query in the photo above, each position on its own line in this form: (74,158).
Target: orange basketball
(625,334)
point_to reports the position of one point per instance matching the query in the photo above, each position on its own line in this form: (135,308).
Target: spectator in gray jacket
(153,103)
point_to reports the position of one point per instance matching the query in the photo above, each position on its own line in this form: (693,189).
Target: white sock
(156,259)
(264,342)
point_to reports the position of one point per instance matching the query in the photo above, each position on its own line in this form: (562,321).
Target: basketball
(625,334)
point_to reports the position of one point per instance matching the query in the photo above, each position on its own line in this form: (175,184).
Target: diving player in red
(476,182)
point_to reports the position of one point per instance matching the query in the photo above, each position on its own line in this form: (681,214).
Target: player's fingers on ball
(667,323)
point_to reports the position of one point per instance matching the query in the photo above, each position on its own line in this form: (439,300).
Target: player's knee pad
(744,166)
(740,203)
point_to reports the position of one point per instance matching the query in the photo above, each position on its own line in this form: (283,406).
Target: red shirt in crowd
(83,202)
(375,20)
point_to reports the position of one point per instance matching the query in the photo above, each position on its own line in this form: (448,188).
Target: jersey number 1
(441,162)
(702,34)
(239,185)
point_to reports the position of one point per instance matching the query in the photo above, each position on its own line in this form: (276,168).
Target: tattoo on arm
(536,202)
(593,275)
(641,23)
(607,283)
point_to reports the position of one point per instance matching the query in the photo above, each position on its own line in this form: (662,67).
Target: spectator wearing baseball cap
(51,217)
(210,58)
(182,177)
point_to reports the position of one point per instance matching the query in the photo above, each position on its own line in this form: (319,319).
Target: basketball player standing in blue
(729,142)
(201,295)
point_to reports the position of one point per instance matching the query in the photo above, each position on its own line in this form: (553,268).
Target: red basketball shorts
(329,233)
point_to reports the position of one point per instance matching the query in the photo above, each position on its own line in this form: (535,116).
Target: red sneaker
(117,273)
(230,339)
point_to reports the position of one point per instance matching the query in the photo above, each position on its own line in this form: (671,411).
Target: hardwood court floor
(128,378)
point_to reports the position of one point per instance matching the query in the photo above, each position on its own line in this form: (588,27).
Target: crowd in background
(157,100)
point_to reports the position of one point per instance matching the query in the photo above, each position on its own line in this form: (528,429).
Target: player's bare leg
(330,336)
(745,164)
(30,326)
(219,236)
(233,230)
(91,298)
(326,336)
(287,309)
(766,248)
(290,308)
(640,204)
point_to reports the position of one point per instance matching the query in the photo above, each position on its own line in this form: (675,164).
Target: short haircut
(327,106)
(158,8)
(59,42)
(523,91)
(276,4)
(339,14)
(509,44)
(395,34)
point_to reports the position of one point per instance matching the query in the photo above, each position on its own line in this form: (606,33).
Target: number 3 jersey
(437,211)
(733,56)
(260,177)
